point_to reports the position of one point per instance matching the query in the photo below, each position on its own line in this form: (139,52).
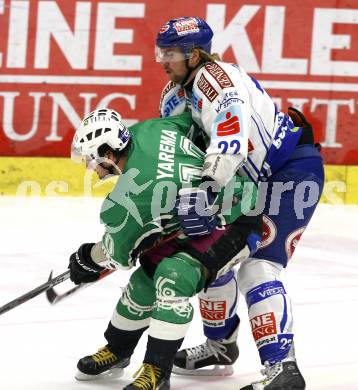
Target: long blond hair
(207,57)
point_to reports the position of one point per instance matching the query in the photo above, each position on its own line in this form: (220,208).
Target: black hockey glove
(299,120)
(82,268)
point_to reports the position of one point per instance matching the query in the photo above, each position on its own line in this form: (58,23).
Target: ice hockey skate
(283,375)
(150,377)
(101,364)
(214,357)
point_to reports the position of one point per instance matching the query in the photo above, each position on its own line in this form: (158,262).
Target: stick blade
(51,294)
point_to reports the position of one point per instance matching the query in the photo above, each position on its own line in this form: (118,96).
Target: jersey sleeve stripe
(260,133)
(269,136)
(254,167)
(246,170)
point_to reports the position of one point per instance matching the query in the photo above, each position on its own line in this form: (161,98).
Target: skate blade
(217,370)
(113,373)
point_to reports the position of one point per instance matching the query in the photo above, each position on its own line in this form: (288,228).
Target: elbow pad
(222,167)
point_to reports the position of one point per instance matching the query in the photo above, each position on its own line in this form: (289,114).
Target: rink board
(54,71)
(54,176)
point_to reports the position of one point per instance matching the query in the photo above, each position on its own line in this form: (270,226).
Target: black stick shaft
(35,292)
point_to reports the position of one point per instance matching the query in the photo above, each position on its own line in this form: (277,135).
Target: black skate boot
(283,375)
(100,364)
(221,354)
(150,377)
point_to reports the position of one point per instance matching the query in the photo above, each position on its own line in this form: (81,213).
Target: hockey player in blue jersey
(246,133)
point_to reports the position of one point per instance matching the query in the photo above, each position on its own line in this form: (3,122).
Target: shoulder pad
(172,101)
(170,85)
(215,70)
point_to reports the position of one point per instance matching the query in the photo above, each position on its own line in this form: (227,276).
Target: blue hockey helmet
(185,33)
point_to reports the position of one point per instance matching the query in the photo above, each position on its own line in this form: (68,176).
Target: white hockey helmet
(100,127)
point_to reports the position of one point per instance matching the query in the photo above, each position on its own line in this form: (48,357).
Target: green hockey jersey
(161,160)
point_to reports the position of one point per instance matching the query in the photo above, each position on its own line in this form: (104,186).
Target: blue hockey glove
(195,211)
(253,241)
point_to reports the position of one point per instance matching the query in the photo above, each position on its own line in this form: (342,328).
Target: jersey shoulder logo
(206,88)
(166,89)
(219,74)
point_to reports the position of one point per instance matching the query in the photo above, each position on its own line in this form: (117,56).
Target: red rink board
(61,59)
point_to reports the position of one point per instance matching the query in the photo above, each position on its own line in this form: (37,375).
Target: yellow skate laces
(104,356)
(147,376)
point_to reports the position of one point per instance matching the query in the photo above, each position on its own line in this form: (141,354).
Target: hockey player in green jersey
(155,159)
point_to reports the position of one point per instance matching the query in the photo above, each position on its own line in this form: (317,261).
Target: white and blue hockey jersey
(247,133)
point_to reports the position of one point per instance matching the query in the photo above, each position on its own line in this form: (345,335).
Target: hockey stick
(35,292)
(53,297)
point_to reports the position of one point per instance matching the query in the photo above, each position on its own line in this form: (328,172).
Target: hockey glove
(82,268)
(299,120)
(195,211)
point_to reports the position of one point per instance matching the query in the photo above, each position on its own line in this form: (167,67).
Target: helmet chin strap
(189,71)
(113,169)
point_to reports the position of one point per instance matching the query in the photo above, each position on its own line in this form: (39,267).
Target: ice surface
(40,344)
